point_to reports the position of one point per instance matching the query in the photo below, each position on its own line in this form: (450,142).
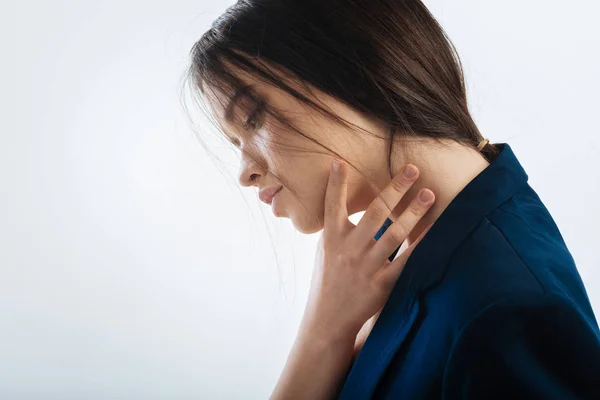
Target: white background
(131,267)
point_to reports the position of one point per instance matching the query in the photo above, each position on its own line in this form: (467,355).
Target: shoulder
(527,229)
(535,344)
(514,250)
(511,256)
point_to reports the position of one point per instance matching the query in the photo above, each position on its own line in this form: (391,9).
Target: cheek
(305,187)
(284,140)
(302,165)
(311,180)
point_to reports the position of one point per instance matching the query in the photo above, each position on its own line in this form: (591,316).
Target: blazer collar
(425,266)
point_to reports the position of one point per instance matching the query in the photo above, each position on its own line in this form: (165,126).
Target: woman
(489,304)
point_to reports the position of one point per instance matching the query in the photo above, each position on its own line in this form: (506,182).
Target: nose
(250,172)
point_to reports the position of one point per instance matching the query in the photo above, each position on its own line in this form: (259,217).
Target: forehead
(222,96)
(245,85)
(244,88)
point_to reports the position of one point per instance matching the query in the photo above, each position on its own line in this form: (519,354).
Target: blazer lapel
(377,352)
(425,267)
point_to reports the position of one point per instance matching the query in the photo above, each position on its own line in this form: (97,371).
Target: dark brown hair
(389,59)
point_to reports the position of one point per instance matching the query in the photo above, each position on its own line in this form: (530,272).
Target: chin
(305,226)
(306,230)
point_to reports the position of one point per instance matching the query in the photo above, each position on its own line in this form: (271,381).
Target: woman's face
(269,149)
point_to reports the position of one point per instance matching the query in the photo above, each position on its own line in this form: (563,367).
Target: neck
(444,169)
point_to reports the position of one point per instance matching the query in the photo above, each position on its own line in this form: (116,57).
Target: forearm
(316,367)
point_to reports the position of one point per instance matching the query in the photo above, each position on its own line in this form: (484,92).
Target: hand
(352,277)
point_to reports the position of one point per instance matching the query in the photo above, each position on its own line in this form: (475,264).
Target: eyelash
(256,114)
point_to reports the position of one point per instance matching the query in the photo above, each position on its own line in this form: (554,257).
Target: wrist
(313,330)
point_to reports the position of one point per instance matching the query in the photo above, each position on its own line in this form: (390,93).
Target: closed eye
(254,120)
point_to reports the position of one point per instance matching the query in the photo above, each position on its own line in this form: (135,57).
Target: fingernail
(410,171)
(335,166)
(425,196)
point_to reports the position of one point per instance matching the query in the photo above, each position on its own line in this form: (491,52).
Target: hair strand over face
(389,59)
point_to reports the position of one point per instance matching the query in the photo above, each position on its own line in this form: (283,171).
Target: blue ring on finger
(381,231)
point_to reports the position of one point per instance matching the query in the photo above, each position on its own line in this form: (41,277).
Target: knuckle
(400,231)
(383,206)
(399,185)
(331,208)
(416,211)
(370,259)
(377,211)
(385,282)
(347,259)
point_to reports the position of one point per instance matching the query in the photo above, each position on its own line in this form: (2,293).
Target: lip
(266,195)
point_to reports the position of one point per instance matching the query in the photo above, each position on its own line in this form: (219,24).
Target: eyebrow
(244,91)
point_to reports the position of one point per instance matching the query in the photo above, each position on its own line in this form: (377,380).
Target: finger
(381,207)
(399,230)
(388,275)
(335,197)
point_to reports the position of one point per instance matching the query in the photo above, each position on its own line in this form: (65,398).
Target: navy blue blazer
(489,306)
